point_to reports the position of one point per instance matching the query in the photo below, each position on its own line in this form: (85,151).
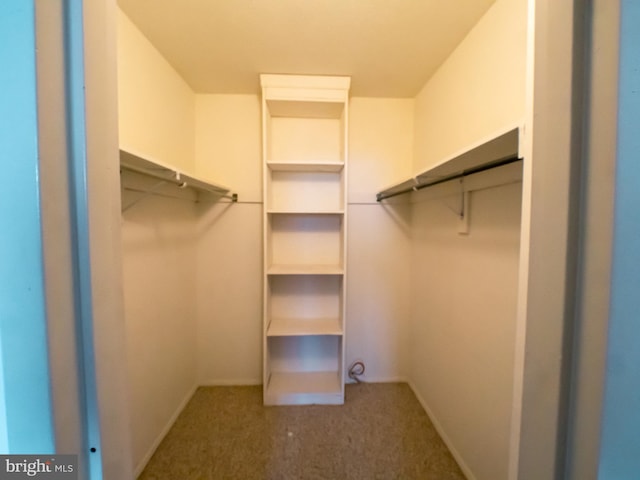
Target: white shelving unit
(304,122)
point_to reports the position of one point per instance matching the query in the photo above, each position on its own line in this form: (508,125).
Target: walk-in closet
(328,239)
(318,215)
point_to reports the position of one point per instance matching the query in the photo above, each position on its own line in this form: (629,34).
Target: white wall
(156,120)
(465,287)
(463,330)
(156,107)
(158,243)
(378,250)
(229,252)
(478,91)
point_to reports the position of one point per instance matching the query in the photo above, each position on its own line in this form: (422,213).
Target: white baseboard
(241,382)
(163,433)
(366,379)
(233,382)
(460,461)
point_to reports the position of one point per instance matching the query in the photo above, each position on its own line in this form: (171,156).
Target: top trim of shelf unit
(306,166)
(153,168)
(305,81)
(486,154)
(310,106)
(305,96)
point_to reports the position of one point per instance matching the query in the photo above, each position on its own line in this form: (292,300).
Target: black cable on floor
(355,370)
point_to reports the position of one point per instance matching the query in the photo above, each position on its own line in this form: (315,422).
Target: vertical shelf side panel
(266,129)
(345,198)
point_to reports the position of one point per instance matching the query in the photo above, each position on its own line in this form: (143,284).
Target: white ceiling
(390,48)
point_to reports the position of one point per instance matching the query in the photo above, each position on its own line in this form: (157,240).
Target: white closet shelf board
(306,166)
(294,388)
(284,327)
(305,270)
(153,168)
(489,153)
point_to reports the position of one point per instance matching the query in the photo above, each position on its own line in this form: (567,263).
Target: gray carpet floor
(381,432)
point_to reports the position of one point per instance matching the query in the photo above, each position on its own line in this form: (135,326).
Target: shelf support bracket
(463,221)
(147,193)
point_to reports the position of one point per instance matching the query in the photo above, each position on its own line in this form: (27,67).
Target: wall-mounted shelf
(164,173)
(500,150)
(285,327)
(305,270)
(327,166)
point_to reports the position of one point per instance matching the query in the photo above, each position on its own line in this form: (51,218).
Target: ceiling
(390,48)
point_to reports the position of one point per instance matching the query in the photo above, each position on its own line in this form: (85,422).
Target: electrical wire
(355,370)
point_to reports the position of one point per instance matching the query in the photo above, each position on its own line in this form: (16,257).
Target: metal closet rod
(453,176)
(183,183)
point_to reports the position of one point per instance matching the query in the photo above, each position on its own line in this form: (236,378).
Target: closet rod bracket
(463,220)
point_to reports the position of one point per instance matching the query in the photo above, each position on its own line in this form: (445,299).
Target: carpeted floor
(381,432)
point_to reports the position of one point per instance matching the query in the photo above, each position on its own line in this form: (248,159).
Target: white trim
(231,382)
(366,379)
(163,433)
(525,151)
(246,382)
(305,81)
(456,455)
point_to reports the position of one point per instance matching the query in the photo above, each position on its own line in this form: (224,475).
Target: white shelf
(292,388)
(283,327)
(305,212)
(493,152)
(305,270)
(331,108)
(328,166)
(153,168)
